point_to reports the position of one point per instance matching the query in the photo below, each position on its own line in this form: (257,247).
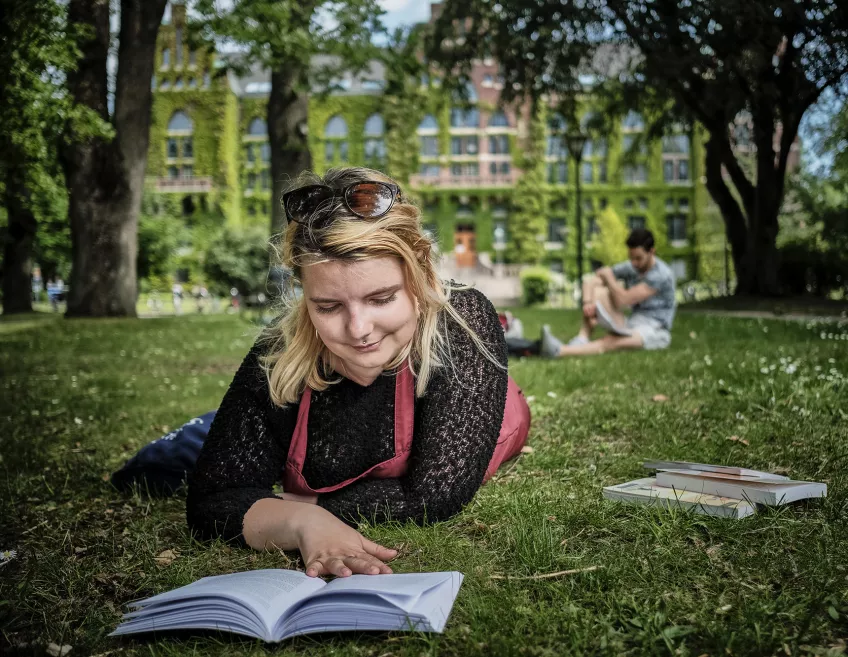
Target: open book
(274,605)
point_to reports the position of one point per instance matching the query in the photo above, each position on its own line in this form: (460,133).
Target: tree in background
(609,247)
(529,219)
(105,177)
(715,59)
(38,48)
(238,259)
(283,36)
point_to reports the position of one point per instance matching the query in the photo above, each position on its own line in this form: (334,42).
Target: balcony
(463,181)
(182,184)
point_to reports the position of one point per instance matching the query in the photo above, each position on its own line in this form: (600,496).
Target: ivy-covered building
(210,161)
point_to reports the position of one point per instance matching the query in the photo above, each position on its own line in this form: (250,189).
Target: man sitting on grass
(649,292)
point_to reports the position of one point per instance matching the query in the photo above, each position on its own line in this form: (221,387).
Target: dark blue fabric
(160,467)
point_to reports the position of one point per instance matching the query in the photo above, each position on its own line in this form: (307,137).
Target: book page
(267,593)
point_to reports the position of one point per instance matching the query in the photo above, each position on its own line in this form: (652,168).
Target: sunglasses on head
(367,200)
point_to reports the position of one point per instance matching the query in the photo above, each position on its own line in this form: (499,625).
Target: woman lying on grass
(381,393)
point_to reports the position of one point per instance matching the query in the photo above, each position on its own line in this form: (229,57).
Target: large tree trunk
(288,107)
(105,179)
(17,252)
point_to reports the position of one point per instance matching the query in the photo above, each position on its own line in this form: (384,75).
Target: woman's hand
(330,547)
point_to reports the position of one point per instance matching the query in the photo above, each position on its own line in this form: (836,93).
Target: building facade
(209,160)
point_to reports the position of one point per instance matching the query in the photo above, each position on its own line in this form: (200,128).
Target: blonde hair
(295,355)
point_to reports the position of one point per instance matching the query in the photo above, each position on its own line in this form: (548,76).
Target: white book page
(266,594)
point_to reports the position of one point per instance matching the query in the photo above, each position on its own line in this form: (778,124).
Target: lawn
(80,397)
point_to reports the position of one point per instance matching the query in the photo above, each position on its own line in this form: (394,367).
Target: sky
(404,12)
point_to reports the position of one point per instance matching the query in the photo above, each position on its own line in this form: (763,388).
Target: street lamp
(576,142)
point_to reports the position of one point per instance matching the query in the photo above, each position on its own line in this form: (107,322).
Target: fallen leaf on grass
(737,439)
(166,557)
(660,398)
(561,573)
(56,650)
(527,449)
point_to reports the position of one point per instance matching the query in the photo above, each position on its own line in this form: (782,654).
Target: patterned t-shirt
(662,305)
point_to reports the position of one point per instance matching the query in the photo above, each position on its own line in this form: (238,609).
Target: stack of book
(714,490)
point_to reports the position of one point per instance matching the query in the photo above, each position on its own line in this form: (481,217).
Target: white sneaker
(606,321)
(577,341)
(550,346)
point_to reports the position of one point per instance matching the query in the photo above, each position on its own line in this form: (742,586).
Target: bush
(237,259)
(535,283)
(805,269)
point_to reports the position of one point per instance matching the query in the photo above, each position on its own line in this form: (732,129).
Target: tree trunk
(17,252)
(105,179)
(288,107)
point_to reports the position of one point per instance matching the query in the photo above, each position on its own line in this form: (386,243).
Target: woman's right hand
(330,547)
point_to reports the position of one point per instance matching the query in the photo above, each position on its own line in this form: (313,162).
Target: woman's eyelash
(385,300)
(378,302)
(326,311)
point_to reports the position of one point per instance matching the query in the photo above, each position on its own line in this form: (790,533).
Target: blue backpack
(160,467)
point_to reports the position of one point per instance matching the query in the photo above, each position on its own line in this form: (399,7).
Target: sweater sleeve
(242,457)
(457,424)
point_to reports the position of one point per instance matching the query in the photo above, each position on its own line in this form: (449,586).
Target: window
(465,145)
(675,144)
(329,151)
(498,119)
(343,151)
(188,171)
(468,169)
(188,148)
(430,170)
(164,86)
(192,84)
(505,168)
(678,268)
(499,168)
(375,126)
(633,121)
(588,172)
(676,227)
(372,85)
(336,128)
(251,210)
(596,148)
(207,80)
(589,121)
(643,203)
(603,203)
(180,123)
(375,150)
(192,58)
(166,57)
(178,84)
(683,204)
(556,230)
(173,173)
(251,181)
(629,141)
(468,118)
(172,147)
(428,123)
(635,221)
(499,210)
(593,228)
(602,172)
(265,152)
(557,173)
(464,210)
(266,179)
(488,81)
(251,156)
(178,51)
(556,146)
(498,145)
(429,146)
(669,205)
(635,174)
(675,170)
(500,233)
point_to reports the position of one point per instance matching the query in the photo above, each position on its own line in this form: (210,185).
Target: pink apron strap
(293,479)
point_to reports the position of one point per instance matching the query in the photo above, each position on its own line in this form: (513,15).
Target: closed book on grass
(274,605)
(773,493)
(646,491)
(706,467)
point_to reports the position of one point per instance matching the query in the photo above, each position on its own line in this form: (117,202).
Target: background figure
(649,290)
(177,296)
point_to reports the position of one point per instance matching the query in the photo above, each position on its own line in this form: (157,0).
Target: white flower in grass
(78,421)
(764,370)
(791,368)
(6,556)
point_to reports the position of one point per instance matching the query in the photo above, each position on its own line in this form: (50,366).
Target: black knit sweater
(350,429)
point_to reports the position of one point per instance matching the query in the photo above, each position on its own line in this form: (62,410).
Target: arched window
(464,118)
(556,138)
(374,126)
(335,132)
(498,120)
(336,128)
(257,128)
(428,123)
(166,57)
(589,121)
(180,122)
(633,121)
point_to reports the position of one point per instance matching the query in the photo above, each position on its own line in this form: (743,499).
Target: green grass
(80,397)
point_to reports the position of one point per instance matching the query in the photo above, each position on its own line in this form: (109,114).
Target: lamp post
(576,142)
